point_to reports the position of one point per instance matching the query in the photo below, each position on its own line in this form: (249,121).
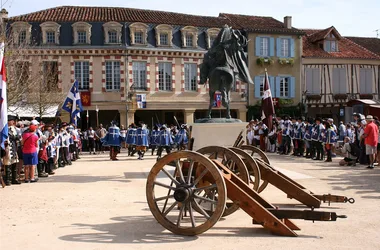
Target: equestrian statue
(223,64)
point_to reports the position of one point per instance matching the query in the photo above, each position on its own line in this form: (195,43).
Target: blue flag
(73,103)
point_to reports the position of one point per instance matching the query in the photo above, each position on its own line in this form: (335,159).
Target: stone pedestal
(216,134)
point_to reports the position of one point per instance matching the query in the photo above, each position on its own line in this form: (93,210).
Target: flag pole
(97,116)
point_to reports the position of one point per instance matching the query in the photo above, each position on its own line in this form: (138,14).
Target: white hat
(369,117)
(35,122)
(364,122)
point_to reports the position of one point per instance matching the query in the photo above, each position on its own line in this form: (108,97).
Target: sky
(349,17)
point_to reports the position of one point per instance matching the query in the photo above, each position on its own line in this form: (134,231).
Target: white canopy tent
(27,111)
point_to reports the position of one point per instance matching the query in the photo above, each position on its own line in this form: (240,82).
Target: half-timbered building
(335,71)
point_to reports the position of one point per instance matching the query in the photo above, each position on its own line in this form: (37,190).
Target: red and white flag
(267,108)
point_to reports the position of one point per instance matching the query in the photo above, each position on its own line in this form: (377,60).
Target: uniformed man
(142,141)
(181,138)
(317,139)
(329,140)
(131,139)
(155,138)
(113,139)
(11,158)
(165,141)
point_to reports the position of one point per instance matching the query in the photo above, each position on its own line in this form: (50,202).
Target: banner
(141,101)
(217,100)
(85,98)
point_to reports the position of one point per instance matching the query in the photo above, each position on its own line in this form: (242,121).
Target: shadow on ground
(81,179)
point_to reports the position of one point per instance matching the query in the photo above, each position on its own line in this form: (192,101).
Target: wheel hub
(181,194)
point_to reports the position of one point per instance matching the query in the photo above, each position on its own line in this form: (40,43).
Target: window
(139,75)
(264,46)
(339,81)
(164,76)
(331,44)
(50,37)
(22,37)
(82,74)
(190,76)
(50,75)
(189,40)
(313,81)
(138,37)
(261,79)
(112,37)
(284,87)
(284,47)
(212,39)
(212,34)
(366,81)
(164,39)
(82,37)
(112,75)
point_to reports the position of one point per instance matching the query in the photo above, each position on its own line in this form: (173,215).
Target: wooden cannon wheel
(260,155)
(173,187)
(232,161)
(252,167)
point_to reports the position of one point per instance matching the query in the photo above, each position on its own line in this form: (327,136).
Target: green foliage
(285,61)
(261,61)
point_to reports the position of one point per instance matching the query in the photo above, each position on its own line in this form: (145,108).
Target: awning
(27,111)
(361,101)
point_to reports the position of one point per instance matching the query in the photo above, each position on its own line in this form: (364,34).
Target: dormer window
(139,33)
(50,37)
(189,40)
(189,36)
(21,32)
(112,32)
(50,33)
(82,33)
(212,34)
(331,43)
(212,39)
(164,35)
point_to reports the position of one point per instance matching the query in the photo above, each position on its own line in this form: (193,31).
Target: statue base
(218,120)
(217,133)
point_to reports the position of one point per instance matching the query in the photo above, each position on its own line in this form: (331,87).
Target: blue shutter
(278,79)
(292,87)
(257,86)
(272,84)
(292,49)
(278,47)
(258,44)
(271,46)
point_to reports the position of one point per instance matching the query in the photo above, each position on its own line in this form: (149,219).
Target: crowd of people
(320,139)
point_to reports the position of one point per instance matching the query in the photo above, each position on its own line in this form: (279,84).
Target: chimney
(288,22)
(3,14)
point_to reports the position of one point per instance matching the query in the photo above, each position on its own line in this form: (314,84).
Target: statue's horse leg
(225,89)
(211,93)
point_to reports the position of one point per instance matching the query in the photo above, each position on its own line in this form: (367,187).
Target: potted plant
(261,61)
(284,61)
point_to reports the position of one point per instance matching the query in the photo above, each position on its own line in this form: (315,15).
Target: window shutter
(292,87)
(335,81)
(309,80)
(272,85)
(278,80)
(292,48)
(257,86)
(343,81)
(316,82)
(271,46)
(362,82)
(369,80)
(258,44)
(278,47)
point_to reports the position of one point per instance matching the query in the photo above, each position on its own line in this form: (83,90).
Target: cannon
(188,192)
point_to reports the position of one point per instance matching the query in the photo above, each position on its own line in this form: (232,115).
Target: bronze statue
(223,64)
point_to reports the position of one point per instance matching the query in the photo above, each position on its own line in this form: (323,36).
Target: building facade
(336,71)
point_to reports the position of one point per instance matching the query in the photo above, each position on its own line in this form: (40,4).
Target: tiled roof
(370,43)
(106,14)
(321,35)
(347,48)
(259,24)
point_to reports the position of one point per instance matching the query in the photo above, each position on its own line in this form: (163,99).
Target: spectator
(349,159)
(91,135)
(342,131)
(29,150)
(371,136)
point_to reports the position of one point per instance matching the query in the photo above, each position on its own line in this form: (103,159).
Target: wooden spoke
(179,170)
(189,173)
(202,211)
(170,208)
(164,185)
(205,199)
(180,215)
(205,188)
(163,198)
(193,224)
(200,176)
(171,177)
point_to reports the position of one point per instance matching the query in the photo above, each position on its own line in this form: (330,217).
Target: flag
(73,103)
(217,100)
(267,108)
(3,99)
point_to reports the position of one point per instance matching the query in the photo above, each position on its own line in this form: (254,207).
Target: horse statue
(223,64)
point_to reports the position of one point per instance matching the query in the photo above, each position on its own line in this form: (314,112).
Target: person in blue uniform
(316,138)
(165,141)
(286,140)
(181,138)
(113,139)
(307,137)
(329,140)
(298,137)
(155,138)
(131,139)
(142,141)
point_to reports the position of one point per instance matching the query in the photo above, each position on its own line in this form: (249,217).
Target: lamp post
(97,116)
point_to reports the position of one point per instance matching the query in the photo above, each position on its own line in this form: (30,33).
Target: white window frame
(139,37)
(113,75)
(284,87)
(82,74)
(112,36)
(191,76)
(50,37)
(164,39)
(189,40)
(165,76)
(264,46)
(139,72)
(22,37)
(82,36)
(285,52)
(112,27)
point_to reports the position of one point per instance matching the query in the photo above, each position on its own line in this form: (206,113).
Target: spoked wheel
(260,155)
(232,161)
(174,192)
(252,167)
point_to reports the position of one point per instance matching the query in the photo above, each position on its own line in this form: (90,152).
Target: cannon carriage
(188,192)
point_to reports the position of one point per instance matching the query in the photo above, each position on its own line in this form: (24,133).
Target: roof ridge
(354,43)
(223,13)
(366,37)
